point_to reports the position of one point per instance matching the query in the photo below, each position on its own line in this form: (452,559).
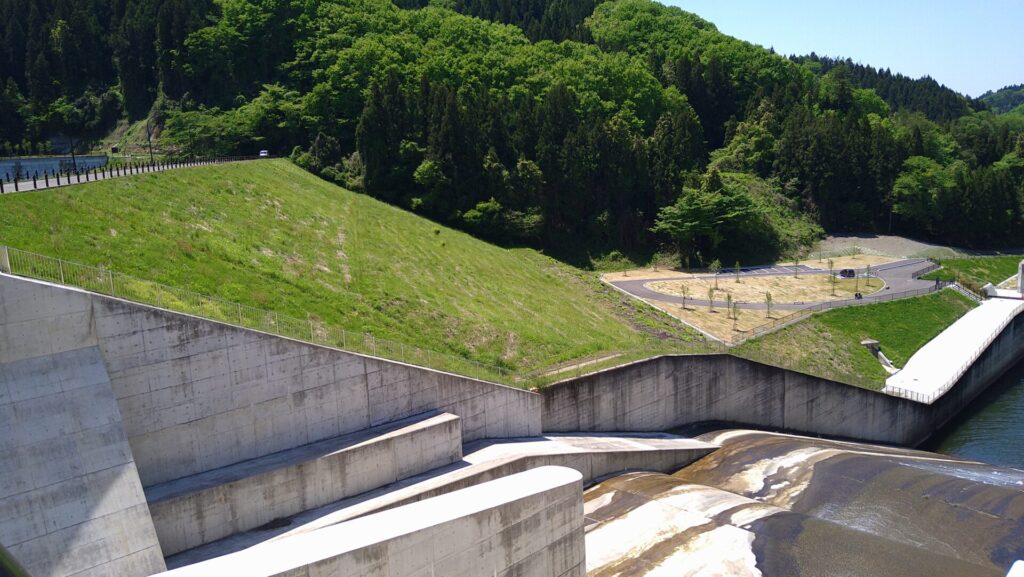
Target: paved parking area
(899,276)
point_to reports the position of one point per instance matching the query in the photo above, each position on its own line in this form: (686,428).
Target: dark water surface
(24,168)
(992,428)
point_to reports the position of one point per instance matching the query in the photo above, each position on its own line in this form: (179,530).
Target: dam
(141,441)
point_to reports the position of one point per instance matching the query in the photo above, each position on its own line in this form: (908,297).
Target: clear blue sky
(969,45)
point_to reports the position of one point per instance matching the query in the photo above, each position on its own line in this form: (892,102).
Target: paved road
(70,180)
(899,277)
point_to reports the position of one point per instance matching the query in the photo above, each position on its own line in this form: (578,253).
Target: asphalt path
(900,276)
(44,183)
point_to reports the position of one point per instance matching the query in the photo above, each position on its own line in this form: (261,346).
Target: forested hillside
(1006,99)
(570,125)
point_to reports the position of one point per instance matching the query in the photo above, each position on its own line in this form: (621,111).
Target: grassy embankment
(976,272)
(272,236)
(828,344)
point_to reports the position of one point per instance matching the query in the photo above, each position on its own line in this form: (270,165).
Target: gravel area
(891,245)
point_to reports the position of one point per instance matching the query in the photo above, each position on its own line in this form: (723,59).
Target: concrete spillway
(776,505)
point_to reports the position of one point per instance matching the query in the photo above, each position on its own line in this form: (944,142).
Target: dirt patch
(786,289)
(644,273)
(718,322)
(346,272)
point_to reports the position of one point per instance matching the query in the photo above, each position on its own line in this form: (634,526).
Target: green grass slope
(976,272)
(269,235)
(828,344)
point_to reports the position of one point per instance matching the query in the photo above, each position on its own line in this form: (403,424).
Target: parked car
(264,154)
(847,273)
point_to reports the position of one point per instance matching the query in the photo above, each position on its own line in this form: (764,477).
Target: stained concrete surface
(527,525)
(781,505)
(594,456)
(203,508)
(70,498)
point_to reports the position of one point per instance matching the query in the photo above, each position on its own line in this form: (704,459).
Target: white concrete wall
(197,394)
(70,498)
(203,508)
(525,525)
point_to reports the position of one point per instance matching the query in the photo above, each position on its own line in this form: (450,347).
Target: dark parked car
(847,273)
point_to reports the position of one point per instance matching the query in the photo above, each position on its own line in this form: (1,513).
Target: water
(992,428)
(26,167)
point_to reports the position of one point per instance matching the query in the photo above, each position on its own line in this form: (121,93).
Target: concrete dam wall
(103,401)
(673,391)
(131,433)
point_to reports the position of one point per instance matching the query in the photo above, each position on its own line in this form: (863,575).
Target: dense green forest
(1005,99)
(577,126)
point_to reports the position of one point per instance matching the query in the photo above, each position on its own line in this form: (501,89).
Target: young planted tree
(832,275)
(796,266)
(711,299)
(728,305)
(768,303)
(737,270)
(867,277)
(735,316)
(715,267)
(686,293)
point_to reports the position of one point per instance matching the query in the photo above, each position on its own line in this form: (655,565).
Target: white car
(264,154)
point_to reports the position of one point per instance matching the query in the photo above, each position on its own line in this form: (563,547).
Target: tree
(728,305)
(711,299)
(686,293)
(832,275)
(714,268)
(736,268)
(768,304)
(701,217)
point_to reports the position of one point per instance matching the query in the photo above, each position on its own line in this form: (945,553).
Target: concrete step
(594,455)
(203,508)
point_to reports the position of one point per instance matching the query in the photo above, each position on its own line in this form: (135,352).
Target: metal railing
(104,281)
(59,178)
(803,313)
(951,380)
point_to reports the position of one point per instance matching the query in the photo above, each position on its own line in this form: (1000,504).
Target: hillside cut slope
(270,235)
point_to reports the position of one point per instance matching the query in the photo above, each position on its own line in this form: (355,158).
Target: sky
(970,46)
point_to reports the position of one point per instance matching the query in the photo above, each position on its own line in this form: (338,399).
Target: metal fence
(951,380)
(106,282)
(799,315)
(66,177)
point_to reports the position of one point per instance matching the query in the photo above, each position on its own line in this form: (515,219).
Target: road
(44,183)
(899,277)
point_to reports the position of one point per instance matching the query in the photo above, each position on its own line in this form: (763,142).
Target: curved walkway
(900,276)
(938,365)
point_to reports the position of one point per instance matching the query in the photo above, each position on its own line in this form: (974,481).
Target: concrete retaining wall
(203,508)
(670,392)
(70,498)
(524,525)
(197,394)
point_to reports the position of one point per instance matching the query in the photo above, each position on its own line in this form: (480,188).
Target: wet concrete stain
(815,507)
